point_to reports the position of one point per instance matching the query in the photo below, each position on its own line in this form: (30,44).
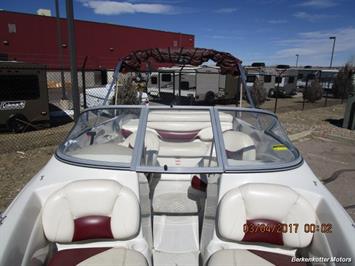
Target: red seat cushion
(272,236)
(72,257)
(92,227)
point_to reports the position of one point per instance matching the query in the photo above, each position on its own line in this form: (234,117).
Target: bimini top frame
(183,56)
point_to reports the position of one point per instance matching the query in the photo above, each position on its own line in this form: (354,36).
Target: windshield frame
(223,166)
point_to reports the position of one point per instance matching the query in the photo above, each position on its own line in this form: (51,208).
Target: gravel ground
(311,129)
(17,168)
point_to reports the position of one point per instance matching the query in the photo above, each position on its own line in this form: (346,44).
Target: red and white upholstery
(268,204)
(89,210)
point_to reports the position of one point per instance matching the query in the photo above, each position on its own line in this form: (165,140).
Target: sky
(270,31)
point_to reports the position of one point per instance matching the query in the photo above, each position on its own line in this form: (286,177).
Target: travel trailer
(305,76)
(286,81)
(266,75)
(201,83)
(176,185)
(23,96)
(327,78)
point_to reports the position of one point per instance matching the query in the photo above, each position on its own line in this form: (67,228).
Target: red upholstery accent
(125,133)
(178,136)
(198,184)
(276,259)
(71,257)
(92,227)
(272,237)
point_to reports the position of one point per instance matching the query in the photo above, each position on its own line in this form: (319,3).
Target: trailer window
(300,76)
(251,78)
(311,76)
(154,80)
(291,79)
(278,79)
(184,85)
(19,87)
(267,78)
(166,77)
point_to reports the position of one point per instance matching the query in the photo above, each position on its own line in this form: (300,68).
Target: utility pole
(297,55)
(73,67)
(59,45)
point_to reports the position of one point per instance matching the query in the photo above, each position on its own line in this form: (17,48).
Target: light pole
(60,48)
(73,66)
(330,66)
(297,55)
(331,59)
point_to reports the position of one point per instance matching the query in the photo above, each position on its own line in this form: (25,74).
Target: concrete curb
(300,135)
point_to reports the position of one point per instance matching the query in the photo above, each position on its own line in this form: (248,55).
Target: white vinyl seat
(251,205)
(88,211)
(239,146)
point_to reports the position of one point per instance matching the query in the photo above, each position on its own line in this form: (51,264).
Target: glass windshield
(254,140)
(186,140)
(179,139)
(104,135)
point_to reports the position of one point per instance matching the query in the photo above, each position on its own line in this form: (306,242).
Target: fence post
(326,94)
(277,92)
(84,81)
(305,93)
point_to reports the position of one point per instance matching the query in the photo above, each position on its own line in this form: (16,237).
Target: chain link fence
(281,93)
(36,106)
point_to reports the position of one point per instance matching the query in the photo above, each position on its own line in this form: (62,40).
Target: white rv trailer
(267,75)
(201,83)
(326,78)
(306,76)
(286,81)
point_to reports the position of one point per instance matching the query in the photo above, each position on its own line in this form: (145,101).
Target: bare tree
(343,84)
(127,93)
(313,92)
(258,92)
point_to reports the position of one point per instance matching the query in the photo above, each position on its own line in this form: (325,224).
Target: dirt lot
(325,146)
(17,168)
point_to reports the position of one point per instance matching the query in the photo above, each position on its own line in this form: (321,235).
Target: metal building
(33,38)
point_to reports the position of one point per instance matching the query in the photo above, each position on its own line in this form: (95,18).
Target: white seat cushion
(183,149)
(255,203)
(116,257)
(240,145)
(239,257)
(89,209)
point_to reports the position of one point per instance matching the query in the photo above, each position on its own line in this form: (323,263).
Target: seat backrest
(265,213)
(239,145)
(91,209)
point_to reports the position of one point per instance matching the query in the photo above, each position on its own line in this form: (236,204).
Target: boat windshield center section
(179,140)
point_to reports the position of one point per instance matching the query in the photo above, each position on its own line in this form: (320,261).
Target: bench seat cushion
(98,256)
